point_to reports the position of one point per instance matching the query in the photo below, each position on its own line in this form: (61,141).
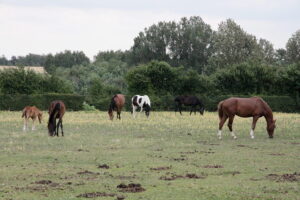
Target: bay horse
(116,104)
(254,107)
(142,102)
(57,110)
(192,101)
(33,113)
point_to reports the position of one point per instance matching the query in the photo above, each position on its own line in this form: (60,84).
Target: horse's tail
(52,117)
(220,110)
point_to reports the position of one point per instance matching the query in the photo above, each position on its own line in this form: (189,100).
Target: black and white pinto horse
(142,102)
(192,101)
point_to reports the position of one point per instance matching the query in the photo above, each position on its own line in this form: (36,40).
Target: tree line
(184,57)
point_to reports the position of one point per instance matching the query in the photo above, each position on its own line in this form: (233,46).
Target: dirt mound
(132,187)
(44,182)
(213,166)
(160,168)
(87,172)
(284,177)
(104,166)
(175,176)
(96,194)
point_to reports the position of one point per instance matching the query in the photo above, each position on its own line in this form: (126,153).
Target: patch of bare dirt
(104,166)
(284,177)
(96,194)
(175,176)
(87,172)
(277,154)
(295,142)
(131,187)
(160,168)
(83,150)
(213,166)
(242,145)
(190,152)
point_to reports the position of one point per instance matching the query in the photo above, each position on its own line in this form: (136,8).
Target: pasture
(170,156)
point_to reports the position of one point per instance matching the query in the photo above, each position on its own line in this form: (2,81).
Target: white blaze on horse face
(252,134)
(233,135)
(220,134)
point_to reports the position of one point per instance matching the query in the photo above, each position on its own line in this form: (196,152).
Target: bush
(87,107)
(42,101)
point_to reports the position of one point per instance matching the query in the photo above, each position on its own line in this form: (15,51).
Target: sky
(52,26)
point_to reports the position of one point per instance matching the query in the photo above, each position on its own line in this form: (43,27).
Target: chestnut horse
(57,110)
(254,107)
(33,113)
(116,104)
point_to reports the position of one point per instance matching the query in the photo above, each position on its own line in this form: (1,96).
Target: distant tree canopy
(20,81)
(66,59)
(168,58)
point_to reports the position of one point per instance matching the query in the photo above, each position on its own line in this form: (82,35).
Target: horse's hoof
(234,137)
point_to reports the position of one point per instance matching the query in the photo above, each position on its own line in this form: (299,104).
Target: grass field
(170,156)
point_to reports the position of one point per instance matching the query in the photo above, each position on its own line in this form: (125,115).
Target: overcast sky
(51,26)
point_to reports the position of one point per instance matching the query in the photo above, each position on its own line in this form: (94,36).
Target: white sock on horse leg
(220,134)
(252,134)
(24,127)
(233,135)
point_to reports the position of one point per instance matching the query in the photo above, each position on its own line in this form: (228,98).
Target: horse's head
(110,113)
(147,110)
(51,128)
(40,116)
(201,110)
(270,128)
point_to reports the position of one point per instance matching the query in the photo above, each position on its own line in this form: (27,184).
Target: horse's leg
(180,109)
(61,126)
(118,115)
(25,124)
(230,121)
(255,118)
(33,127)
(222,121)
(57,128)
(133,111)
(192,108)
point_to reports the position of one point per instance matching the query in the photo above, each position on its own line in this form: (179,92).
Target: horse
(33,113)
(57,110)
(142,102)
(254,107)
(116,104)
(192,101)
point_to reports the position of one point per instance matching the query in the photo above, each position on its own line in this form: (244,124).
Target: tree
(185,43)
(293,48)
(231,45)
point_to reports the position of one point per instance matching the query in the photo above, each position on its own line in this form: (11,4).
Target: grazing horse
(33,113)
(192,101)
(57,110)
(142,102)
(254,107)
(116,104)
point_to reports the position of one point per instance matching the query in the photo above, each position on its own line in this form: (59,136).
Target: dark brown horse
(192,101)
(33,113)
(116,104)
(57,110)
(254,107)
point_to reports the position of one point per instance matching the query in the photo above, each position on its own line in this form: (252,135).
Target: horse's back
(62,107)
(119,99)
(243,107)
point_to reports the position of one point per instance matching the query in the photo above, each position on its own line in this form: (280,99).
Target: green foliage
(185,43)
(87,107)
(293,48)
(65,59)
(42,101)
(20,81)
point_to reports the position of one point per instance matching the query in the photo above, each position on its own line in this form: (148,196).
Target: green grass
(130,147)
